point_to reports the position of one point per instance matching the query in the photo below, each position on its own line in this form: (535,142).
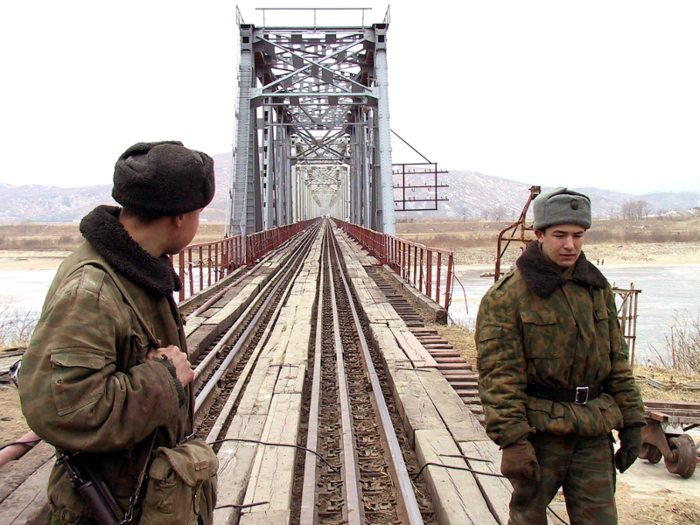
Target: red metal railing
(202,265)
(430,270)
(259,244)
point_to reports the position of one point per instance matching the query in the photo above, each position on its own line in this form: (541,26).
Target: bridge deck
(266,399)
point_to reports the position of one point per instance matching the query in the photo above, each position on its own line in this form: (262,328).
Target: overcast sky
(595,93)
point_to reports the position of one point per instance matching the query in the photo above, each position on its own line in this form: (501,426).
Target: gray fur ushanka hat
(562,206)
(159,179)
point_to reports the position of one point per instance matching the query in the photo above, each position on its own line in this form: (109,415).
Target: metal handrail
(420,265)
(215,260)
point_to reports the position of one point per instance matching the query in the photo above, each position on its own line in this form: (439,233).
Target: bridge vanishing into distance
(323,384)
(321,377)
(313,132)
(312,126)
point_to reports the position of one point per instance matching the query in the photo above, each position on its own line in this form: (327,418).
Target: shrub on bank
(16,325)
(682,345)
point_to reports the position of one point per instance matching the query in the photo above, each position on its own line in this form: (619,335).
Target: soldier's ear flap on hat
(159,179)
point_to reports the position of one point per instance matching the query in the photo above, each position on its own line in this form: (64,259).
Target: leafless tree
(635,210)
(498,212)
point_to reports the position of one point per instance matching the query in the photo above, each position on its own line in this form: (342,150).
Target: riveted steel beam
(312,129)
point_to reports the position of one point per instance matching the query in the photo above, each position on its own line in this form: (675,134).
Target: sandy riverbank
(16,261)
(602,254)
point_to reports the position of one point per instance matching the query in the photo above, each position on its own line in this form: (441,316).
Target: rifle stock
(93,489)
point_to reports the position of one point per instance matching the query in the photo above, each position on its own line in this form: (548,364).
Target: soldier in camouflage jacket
(555,377)
(106,372)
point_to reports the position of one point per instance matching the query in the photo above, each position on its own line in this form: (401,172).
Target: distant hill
(52,204)
(470,194)
(474,195)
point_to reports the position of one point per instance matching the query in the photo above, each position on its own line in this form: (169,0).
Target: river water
(668,292)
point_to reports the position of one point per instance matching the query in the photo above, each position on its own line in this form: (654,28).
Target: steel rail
(223,416)
(351,486)
(205,366)
(208,392)
(308,496)
(403,480)
(205,306)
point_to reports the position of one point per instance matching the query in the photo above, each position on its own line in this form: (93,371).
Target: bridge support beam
(313,128)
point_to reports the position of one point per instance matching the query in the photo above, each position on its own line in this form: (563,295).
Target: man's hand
(630,447)
(519,461)
(179,360)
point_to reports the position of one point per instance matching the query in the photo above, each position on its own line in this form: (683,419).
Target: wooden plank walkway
(27,502)
(427,379)
(270,411)
(439,422)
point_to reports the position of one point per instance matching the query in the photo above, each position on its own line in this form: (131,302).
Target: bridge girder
(312,127)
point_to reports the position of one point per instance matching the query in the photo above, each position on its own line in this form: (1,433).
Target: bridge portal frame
(312,129)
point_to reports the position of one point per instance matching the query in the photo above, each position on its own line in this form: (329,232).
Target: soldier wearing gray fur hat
(554,372)
(106,378)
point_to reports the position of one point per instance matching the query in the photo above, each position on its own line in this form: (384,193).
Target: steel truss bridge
(312,126)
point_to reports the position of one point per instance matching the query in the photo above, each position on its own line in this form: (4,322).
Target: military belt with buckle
(579,395)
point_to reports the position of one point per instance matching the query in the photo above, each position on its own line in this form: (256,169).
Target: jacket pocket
(487,344)
(598,417)
(539,331)
(602,327)
(612,416)
(546,416)
(76,380)
(553,409)
(140,345)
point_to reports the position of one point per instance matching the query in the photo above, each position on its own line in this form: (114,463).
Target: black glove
(630,447)
(519,461)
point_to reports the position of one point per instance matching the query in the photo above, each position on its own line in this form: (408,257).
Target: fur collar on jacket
(102,229)
(544,278)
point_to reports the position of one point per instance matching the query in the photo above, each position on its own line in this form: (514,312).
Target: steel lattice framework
(312,127)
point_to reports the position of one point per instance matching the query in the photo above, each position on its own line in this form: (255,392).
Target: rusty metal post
(201,269)
(181,273)
(520,223)
(415,265)
(448,284)
(429,272)
(420,279)
(437,280)
(190,268)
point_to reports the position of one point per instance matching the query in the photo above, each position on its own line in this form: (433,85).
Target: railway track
(354,466)
(453,366)
(313,417)
(220,367)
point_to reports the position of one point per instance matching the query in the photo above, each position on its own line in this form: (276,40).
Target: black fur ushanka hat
(159,179)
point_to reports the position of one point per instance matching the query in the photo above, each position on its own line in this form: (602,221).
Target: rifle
(93,489)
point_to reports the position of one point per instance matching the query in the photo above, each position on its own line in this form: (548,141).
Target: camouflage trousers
(583,467)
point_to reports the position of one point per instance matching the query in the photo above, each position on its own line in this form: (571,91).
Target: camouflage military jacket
(85,382)
(539,326)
